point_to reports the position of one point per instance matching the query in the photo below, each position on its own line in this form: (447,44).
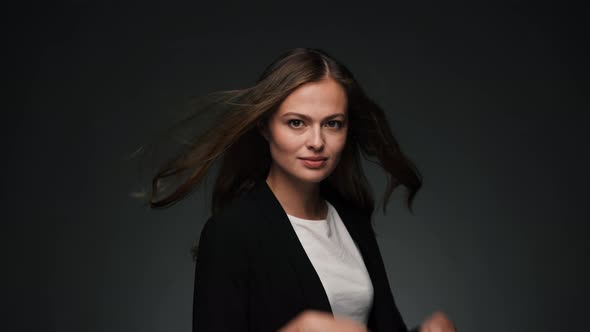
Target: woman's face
(307,133)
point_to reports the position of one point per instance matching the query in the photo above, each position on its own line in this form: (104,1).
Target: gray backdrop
(489,101)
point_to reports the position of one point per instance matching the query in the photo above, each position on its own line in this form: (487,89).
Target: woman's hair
(235,140)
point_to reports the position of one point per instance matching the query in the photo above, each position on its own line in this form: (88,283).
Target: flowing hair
(233,137)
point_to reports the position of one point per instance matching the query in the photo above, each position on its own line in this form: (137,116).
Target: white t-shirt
(339,264)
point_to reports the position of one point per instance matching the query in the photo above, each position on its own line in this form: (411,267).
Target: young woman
(289,245)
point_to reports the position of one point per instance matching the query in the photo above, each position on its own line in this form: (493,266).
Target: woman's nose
(316,139)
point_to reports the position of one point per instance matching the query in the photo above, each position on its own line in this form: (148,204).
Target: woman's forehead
(316,99)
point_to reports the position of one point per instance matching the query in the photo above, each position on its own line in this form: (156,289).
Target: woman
(289,245)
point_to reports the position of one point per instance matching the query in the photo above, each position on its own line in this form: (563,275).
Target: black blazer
(252,273)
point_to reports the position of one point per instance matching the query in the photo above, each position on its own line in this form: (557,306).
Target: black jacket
(252,273)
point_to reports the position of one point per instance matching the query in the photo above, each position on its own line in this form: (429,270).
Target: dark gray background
(489,101)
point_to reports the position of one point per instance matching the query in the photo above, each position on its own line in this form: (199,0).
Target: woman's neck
(299,199)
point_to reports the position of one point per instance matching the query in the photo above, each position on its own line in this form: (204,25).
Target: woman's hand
(438,322)
(317,321)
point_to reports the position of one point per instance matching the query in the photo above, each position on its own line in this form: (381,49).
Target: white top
(338,263)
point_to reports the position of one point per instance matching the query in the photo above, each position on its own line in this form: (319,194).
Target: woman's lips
(313,163)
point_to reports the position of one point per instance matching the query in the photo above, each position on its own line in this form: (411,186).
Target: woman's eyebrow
(308,118)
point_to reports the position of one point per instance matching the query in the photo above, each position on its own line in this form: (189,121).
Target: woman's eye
(335,124)
(299,123)
(294,123)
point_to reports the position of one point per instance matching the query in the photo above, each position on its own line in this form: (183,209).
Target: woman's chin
(313,178)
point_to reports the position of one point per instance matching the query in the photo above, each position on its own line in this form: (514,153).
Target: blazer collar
(286,240)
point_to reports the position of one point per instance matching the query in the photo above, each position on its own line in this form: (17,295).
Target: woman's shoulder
(230,227)
(236,214)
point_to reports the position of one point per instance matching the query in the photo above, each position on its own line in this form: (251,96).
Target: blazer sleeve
(220,299)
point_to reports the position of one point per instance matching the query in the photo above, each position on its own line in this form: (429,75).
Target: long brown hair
(234,139)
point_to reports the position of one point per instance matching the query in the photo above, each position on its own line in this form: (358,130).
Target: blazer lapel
(384,314)
(285,239)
